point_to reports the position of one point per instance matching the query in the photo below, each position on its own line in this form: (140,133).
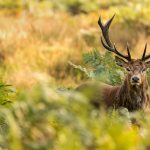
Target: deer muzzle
(135,80)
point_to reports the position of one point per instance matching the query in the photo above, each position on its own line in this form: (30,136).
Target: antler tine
(128,51)
(128,57)
(144,53)
(147,57)
(114,49)
(109,46)
(105,30)
(106,46)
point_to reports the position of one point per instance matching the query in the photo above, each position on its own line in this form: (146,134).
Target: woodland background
(49,47)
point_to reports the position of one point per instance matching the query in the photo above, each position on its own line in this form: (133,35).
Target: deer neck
(132,97)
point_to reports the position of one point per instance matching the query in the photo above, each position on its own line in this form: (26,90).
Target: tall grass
(44,44)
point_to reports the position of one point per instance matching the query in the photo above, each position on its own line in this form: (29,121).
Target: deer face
(136,70)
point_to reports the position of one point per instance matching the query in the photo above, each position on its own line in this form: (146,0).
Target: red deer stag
(133,93)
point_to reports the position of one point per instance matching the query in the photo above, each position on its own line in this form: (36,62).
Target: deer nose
(135,79)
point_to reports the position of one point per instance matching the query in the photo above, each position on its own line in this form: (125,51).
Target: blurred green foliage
(138,9)
(7,93)
(46,118)
(103,67)
(11,3)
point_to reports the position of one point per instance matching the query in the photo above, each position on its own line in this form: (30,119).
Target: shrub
(101,67)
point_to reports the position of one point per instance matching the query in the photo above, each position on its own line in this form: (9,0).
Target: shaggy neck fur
(133,97)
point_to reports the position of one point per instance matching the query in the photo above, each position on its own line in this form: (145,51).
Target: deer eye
(128,69)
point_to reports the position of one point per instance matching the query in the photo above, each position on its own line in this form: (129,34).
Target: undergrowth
(46,118)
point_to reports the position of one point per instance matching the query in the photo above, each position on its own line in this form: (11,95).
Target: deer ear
(120,62)
(148,64)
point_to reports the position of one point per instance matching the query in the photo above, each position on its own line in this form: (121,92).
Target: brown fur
(133,97)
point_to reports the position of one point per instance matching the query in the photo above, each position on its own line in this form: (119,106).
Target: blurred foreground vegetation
(46,118)
(47,48)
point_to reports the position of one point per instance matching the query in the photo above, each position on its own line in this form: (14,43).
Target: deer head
(136,68)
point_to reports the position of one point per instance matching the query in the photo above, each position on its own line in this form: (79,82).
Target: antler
(144,53)
(109,46)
